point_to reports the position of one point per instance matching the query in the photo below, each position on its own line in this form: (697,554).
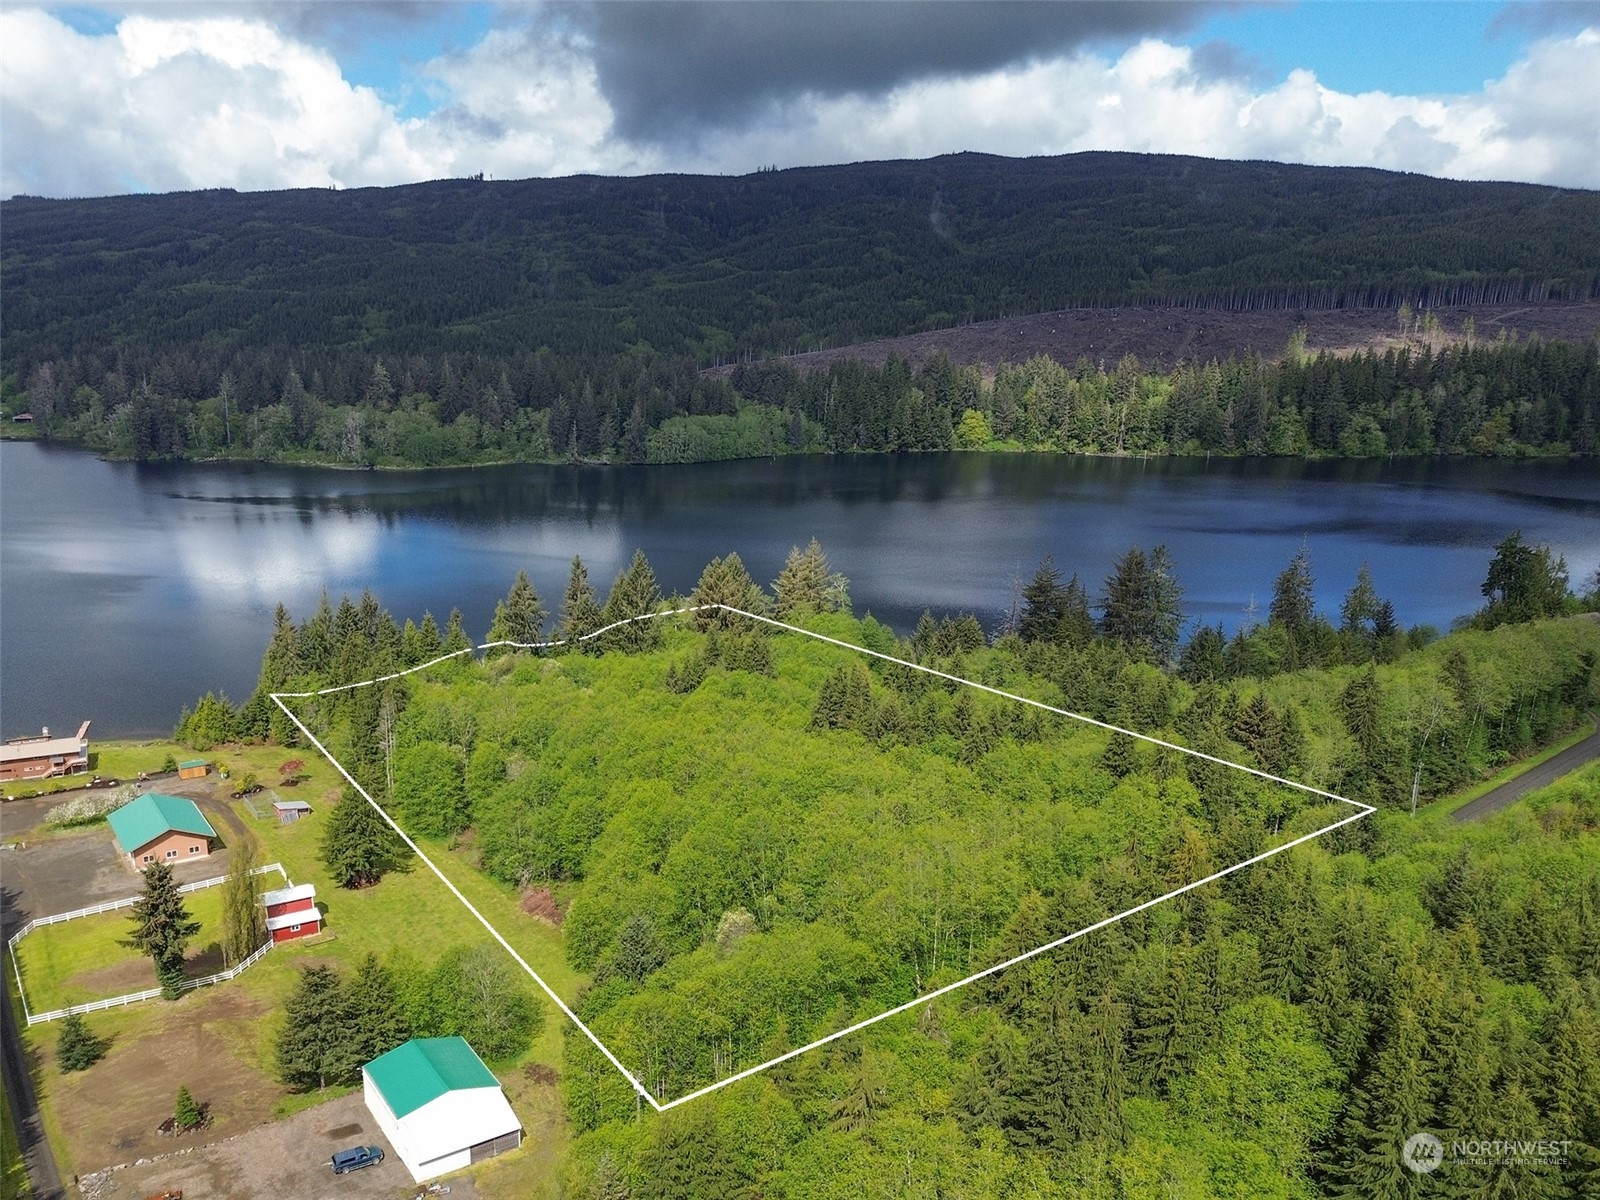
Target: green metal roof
(152,815)
(423,1069)
(194,762)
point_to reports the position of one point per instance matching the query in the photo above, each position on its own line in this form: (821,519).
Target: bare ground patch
(1163,337)
(111,1112)
(538,902)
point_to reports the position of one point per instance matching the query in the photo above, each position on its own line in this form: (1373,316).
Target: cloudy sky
(146,95)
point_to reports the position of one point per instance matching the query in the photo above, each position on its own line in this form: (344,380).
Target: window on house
(294,929)
(172,854)
(194,849)
(149,858)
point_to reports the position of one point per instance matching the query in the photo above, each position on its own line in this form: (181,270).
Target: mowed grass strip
(78,962)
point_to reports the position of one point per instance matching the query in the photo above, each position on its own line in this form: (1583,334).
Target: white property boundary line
(278,698)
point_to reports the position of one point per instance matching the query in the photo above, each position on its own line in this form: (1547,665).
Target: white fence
(113,905)
(150,993)
(132,997)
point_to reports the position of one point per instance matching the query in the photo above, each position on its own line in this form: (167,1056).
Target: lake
(127,590)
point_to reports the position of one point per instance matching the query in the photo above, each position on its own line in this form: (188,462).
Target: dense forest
(754,840)
(1486,398)
(468,321)
(721,268)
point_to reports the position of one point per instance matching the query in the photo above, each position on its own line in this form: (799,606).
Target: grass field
(79,961)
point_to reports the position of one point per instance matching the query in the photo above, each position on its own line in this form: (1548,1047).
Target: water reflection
(128,590)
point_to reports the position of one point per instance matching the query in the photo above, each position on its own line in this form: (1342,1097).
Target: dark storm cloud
(672,67)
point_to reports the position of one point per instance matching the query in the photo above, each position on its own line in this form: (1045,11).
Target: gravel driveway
(285,1160)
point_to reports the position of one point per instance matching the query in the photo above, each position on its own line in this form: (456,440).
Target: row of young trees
(1485,398)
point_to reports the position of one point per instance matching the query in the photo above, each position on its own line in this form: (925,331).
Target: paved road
(1543,775)
(20,1095)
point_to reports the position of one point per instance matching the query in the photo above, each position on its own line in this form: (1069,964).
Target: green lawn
(114,760)
(55,959)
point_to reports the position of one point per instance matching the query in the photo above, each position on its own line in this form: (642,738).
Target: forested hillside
(751,845)
(466,321)
(714,267)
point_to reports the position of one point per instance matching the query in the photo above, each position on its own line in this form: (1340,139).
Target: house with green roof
(439,1106)
(159,828)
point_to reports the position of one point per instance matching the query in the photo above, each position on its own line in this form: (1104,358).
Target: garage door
(499,1145)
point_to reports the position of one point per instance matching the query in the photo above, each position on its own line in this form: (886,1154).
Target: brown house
(161,829)
(43,757)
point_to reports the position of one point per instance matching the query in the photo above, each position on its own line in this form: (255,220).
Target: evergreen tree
(77,1049)
(244,926)
(1394,1101)
(455,635)
(639,951)
(358,846)
(520,616)
(1142,606)
(1293,612)
(633,594)
(1204,659)
(317,1044)
(725,581)
(580,610)
(808,584)
(186,1114)
(1360,706)
(1043,606)
(1524,583)
(162,927)
(282,661)
(377,1022)
(1077,625)
(1357,614)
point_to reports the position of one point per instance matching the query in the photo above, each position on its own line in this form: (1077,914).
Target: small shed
(290,811)
(161,828)
(195,768)
(292,912)
(439,1106)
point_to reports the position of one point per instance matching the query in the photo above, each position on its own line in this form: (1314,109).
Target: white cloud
(165,103)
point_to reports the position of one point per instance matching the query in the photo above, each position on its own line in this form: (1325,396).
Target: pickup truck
(355,1158)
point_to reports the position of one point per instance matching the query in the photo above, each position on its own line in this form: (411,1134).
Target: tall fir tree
(808,584)
(358,846)
(455,635)
(520,616)
(633,594)
(162,927)
(725,581)
(315,1046)
(377,1021)
(580,609)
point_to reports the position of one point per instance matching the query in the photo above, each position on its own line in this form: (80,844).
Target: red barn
(292,912)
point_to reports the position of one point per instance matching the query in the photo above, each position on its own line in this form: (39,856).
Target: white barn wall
(386,1122)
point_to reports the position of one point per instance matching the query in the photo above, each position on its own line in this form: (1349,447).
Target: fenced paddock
(92,910)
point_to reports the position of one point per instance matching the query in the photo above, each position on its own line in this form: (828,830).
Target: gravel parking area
(75,870)
(285,1160)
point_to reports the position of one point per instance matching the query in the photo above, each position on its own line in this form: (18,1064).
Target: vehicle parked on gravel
(355,1158)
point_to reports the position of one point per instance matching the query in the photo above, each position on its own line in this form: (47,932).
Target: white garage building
(439,1106)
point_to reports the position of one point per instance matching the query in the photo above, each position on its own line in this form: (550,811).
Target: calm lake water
(126,591)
